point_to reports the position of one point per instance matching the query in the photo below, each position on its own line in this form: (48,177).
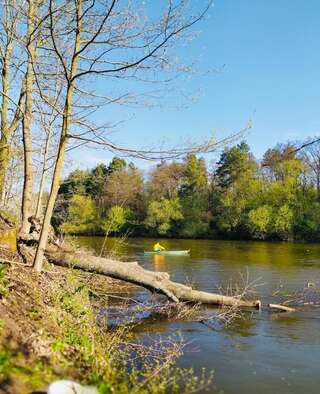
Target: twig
(14,262)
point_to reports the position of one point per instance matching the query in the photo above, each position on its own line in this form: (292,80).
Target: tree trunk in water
(281,308)
(158,282)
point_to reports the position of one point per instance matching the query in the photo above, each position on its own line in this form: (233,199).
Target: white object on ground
(70,387)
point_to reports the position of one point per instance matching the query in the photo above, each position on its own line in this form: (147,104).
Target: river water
(264,353)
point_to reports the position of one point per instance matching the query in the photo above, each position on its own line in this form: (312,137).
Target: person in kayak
(157,247)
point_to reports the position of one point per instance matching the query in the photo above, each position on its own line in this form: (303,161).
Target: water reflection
(244,327)
(159,262)
(268,353)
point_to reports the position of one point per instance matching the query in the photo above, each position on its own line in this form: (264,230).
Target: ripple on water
(268,353)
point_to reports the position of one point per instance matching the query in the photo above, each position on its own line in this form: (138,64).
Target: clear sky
(266,57)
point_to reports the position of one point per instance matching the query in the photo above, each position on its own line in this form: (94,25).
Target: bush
(259,221)
(163,214)
(83,216)
(118,219)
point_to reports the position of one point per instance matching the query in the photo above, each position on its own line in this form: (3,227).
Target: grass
(49,330)
(7,216)
(3,282)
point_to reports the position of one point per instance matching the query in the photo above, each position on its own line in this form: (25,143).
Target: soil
(25,302)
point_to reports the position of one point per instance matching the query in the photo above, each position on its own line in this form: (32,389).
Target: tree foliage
(117,220)
(242,198)
(162,215)
(82,215)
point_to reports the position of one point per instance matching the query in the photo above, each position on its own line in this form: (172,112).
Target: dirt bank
(33,347)
(49,330)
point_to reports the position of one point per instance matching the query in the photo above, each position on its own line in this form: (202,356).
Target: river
(264,353)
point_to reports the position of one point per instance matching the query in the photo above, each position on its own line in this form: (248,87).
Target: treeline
(276,198)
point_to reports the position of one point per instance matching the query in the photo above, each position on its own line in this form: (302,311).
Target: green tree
(233,164)
(283,194)
(282,223)
(259,221)
(82,216)
(96,180)
(307,219)
(194,196)
(275,200)
(116,164)
(75,183)
(236,188)
(118,219)
(196,216)
(273,157)
(163,215)
(195,177)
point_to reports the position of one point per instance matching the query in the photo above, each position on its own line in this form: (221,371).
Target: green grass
(3,281)
(59,316)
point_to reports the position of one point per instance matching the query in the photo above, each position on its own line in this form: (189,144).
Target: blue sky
(263,58)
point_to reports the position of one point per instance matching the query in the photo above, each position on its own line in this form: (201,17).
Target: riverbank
(49,331)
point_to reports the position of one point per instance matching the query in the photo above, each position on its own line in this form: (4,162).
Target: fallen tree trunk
(281,308)
(158,282)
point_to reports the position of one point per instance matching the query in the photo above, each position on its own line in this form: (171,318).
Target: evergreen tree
(117,164)
(235,188)
(194,196)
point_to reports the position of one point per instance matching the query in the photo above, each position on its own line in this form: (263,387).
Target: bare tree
(47,122)
(311,154)
(31,49)
(48,128)
(10,103)
(111,41)
(14,177)
(107,40)
(19,35)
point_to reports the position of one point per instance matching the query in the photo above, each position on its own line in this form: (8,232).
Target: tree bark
(5,135)
(62,145)
(158,282)
(281,308)
(6,129)
(27,119)
(44,173)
